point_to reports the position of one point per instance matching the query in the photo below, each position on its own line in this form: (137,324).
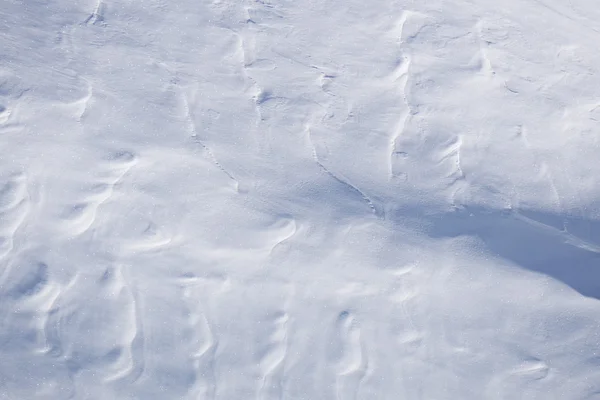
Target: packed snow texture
(298,199)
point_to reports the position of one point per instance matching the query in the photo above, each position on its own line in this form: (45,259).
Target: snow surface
(299,199)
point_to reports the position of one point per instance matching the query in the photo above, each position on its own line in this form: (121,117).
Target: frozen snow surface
(299,199)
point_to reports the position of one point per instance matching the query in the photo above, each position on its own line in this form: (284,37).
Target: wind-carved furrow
(82,104)
(14,209)
(272,363)
(247,42)
(247,54)
(204,360)
(130,364)
(190,117)
(285,229)
(97,16)
(374,209)
(529,369)
(152,238)
(137,347)
(80,217)
(43,305)
(204,345)
(395,154)
(78,108)
(404,292)
(54,325)
(324,81)
(547,173)
(400,78)
(456,174)
(452,152)
(69,320)
(352,368)
(522,136)
(486,65)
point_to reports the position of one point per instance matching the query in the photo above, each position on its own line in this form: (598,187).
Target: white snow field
(299,199)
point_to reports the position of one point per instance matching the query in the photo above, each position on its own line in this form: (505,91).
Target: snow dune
(299,199)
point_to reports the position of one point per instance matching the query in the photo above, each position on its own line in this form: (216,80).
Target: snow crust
(298,199)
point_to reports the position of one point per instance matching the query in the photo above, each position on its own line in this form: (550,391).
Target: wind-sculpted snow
(334,200)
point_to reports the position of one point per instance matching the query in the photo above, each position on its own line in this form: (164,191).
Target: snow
(299,199)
